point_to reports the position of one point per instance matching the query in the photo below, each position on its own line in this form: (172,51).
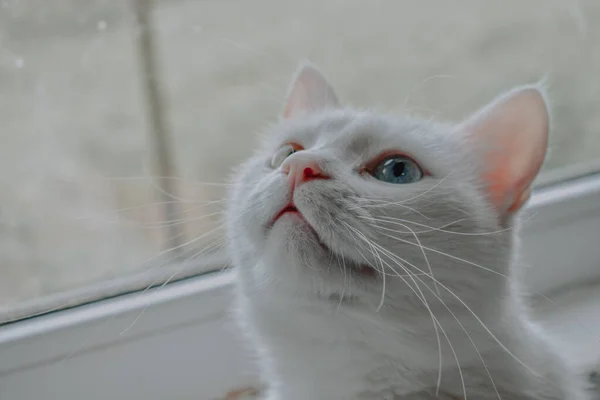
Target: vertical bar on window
(158,133)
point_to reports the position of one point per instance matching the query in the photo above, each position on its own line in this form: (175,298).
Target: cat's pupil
(398,169)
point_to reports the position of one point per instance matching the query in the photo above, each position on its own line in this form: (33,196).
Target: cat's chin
(304,238)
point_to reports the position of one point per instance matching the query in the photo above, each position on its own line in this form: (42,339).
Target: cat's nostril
(310,173)
(304,171)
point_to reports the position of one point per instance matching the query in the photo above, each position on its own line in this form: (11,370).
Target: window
(120,122)
(107,171)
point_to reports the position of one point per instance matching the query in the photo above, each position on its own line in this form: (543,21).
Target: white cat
(376,255)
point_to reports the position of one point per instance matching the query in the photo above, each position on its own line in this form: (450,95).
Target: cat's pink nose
(301,171)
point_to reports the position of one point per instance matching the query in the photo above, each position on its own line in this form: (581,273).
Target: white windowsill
(185,345)
(574,319)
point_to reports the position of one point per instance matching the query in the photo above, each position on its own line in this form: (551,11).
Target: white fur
(323,331)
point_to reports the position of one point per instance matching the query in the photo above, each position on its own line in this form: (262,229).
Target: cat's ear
(309,92)
(511,136)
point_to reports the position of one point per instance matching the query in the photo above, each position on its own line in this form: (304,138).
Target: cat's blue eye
(397,169)
(283,153)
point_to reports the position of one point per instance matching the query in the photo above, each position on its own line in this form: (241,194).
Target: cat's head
(338,199)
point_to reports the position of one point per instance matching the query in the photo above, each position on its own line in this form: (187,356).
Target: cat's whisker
(430,228)
(437,324)
(447,255)
(197,203)
(159,225)
(391,220)
(435,321)
(424,257)
(158,177)
(351,235)
(211,246)
(346,226)
(378,257)
(437,296)
(76,301)
(485,327)
(180,221)
(380,271)
(90,337)
(468,336)
(342,261)
(397,205)
(176,258)
(121,220)
(335,254)
(214,245)
(464,261)
(383,275)
(383,203)
(187,243)
(153,182)
(399,261)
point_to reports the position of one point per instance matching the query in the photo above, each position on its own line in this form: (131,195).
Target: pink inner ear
(512,133)
(297,102)
(309,92)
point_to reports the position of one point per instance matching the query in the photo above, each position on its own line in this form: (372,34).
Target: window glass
(70,118)
(89,103)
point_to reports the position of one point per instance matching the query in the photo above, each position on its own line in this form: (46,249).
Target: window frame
(180,341)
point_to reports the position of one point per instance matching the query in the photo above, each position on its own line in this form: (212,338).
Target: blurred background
(121,120)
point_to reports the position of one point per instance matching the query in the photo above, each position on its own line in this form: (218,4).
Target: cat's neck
(330,361)
(313,350)
(317,350)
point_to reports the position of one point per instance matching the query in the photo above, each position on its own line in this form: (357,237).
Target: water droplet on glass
(102,25)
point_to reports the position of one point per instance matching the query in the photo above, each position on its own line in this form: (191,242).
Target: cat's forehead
(357,132)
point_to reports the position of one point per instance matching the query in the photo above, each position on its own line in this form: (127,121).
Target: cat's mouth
(291,209)
(363,270)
